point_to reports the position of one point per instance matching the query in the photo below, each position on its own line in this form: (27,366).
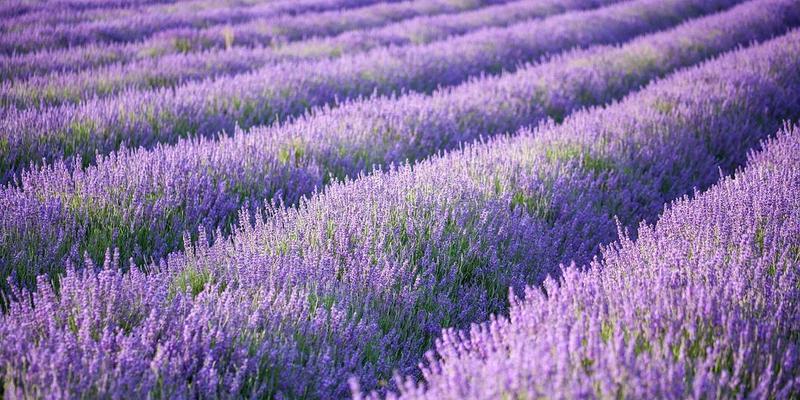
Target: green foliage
(577,153)
(77,137)
(183,45)
(292,153)
(192,280)
(536,204)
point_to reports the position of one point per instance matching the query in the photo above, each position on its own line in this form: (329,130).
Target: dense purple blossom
(187,41)
(142,202)
(482,199)
(13,11)
(97,27)
(704,304)
(146,118)
(360,279)
(148,64)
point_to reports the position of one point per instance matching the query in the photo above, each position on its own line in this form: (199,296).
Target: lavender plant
(17,10)
(136,119)
(704,304)
(360,279)
(97,28)
(141,202)
(152,64)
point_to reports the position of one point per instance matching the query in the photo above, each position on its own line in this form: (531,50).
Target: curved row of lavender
(23,13)
(142,201)
(361,279)
(704,304)
(206,108)
(163,41)
(426,29)
(17,8)
(13,10)
(17,15)
(276,31)
(141,25)
(173,69)
(168,42)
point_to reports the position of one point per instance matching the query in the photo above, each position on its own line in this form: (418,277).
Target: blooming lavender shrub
(704,304)
(182,41)
(150,64)
(360,279)
(184,22)
(142,202)
(98,27)
(147,118)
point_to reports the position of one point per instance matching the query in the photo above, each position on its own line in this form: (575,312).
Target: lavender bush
(98,28)
(136,119)
(704,304)
(150,64)
(360,279)
(141,202)
(317,199)
(156,40)
(161,42)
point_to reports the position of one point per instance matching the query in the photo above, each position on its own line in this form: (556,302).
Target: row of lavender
(147,118)
(141,202)
(137,66)
(704,304)
(20,14)
(170,43)
(360,279)
(188,39)
(18,9)
(99,26)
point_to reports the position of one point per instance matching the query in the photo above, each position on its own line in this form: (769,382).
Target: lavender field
(400,199)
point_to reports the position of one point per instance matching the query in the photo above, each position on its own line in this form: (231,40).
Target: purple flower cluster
(218,37)
(15,12)
(30,34)
(147,65)
(142,202)
(360,279)
(703,304)
(177,42)
(145,118)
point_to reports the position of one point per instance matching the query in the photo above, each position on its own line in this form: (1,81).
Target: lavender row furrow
(141,202)
(135,119)
(360,279)
(170,70)
(704,304)
(263,24)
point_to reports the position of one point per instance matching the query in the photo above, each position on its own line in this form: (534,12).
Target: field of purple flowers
(400,199)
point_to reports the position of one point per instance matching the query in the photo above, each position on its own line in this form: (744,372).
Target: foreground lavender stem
(145,71)
(361,279)
(205,108)
(704,304)
(141,202)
